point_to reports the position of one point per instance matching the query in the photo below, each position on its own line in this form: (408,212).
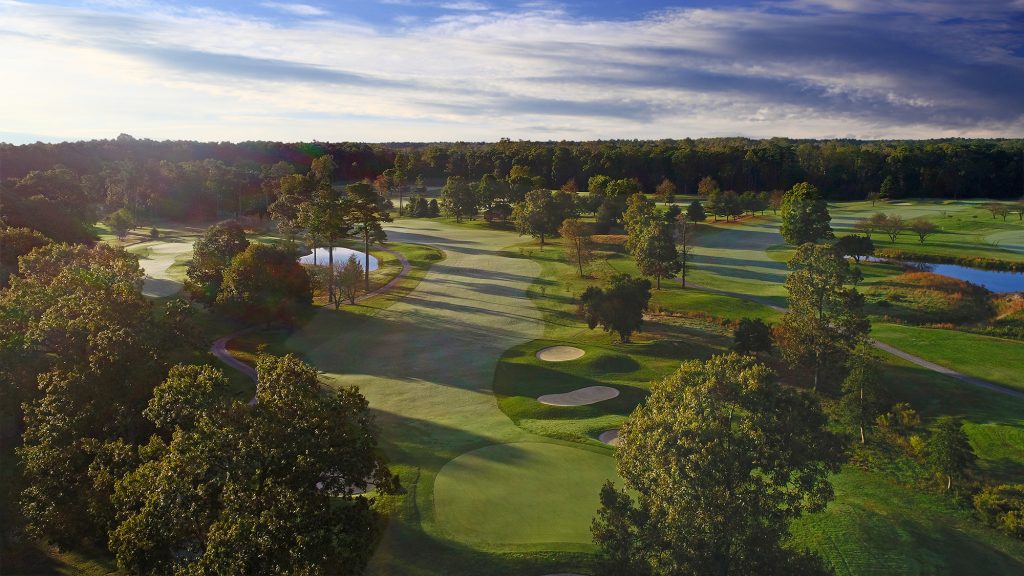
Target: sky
(481,70)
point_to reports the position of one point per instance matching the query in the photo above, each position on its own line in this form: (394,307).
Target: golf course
(496,404)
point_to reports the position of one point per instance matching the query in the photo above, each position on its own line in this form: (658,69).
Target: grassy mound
(927,298)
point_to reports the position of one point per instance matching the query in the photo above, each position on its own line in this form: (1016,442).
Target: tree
(695,212)
(349,278)
(825,318)
(665,192)
(775,200)
(89,349)
(805,216)
(541,213)
(265,283)
(579,245)
(52,202)
(887,191)
(856,246)
(367,213)
(624,187)
(923,228)
(752,336)
(866,226)
(15,243)
(1018,209)
(862,402)
(121,222)
(638,215)
(457,199)
(619,307)
(998,209)
(327,218)
(706,186)
(721,459)
(685,234)
(211,256)
(653,248)
(598,184)
(433,209)
(891,226)
(949,449)
(253,489)
(730,206)
(713,204)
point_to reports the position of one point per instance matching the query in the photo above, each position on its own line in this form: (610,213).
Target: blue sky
(411,70)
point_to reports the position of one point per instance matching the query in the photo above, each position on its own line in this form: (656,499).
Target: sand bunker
(581,397)
(559,353)
(609,437)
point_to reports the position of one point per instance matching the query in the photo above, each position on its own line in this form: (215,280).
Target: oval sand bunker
(559,353)
(581,397)
(609,437)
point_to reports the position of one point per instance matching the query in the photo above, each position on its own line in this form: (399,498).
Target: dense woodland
(178,179)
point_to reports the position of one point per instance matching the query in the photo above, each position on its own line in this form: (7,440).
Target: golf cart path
(926,364)
(219,348)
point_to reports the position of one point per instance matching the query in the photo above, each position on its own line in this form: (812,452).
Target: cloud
(295,9)
(804,68)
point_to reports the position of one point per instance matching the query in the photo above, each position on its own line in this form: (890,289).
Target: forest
(197,180)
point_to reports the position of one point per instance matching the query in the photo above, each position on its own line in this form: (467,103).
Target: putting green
(522,493)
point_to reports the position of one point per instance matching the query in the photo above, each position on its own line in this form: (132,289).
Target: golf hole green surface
(521,493)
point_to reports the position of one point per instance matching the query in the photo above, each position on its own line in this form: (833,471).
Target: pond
(992,280)
(340,257)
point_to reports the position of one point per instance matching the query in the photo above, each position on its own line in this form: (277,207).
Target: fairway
(523,493)
(997,360)
(157,259)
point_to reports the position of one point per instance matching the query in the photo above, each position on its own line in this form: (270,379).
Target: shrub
(1002,507)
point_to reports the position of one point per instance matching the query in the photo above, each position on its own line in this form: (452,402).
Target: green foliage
(211,256)
(619,307)
(720,458)
(349,278)
(805,216)
(16,242)
(666,191)
(695,212)
(541,213)
(638,215)
(265,488)
(121,222)
(579,243)
(265,283)
(89,349)
(624,187)
(752,336)
(1002,507)
(856,246)
(707,186)
(368,212)
(653,247)
(863,397)
(949,449)
(598,184)
(457,199)
(826,318)
(52,202)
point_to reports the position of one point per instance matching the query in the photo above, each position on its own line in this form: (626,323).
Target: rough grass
(995,359)
(927,298)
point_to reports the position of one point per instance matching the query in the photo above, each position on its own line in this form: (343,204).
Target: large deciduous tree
(805,216)
(720,458)
(949,449)
(89,352)
(617,308)
(862,400)
(211,255)
(267,488)
(541,212)
(653,248)
(265,283)
(457,199)
(826,316)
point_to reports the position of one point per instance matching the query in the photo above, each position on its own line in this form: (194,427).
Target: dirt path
(219,348)
(926,364)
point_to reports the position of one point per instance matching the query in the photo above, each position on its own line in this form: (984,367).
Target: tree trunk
(330,272)
(366,258)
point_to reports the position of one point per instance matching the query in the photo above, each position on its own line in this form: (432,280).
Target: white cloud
(481,75)
(296,9)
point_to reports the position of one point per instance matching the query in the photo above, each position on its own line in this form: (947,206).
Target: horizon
(391,71)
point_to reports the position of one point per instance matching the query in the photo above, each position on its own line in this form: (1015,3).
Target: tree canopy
(716,463)
(805,216)
(617,308)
